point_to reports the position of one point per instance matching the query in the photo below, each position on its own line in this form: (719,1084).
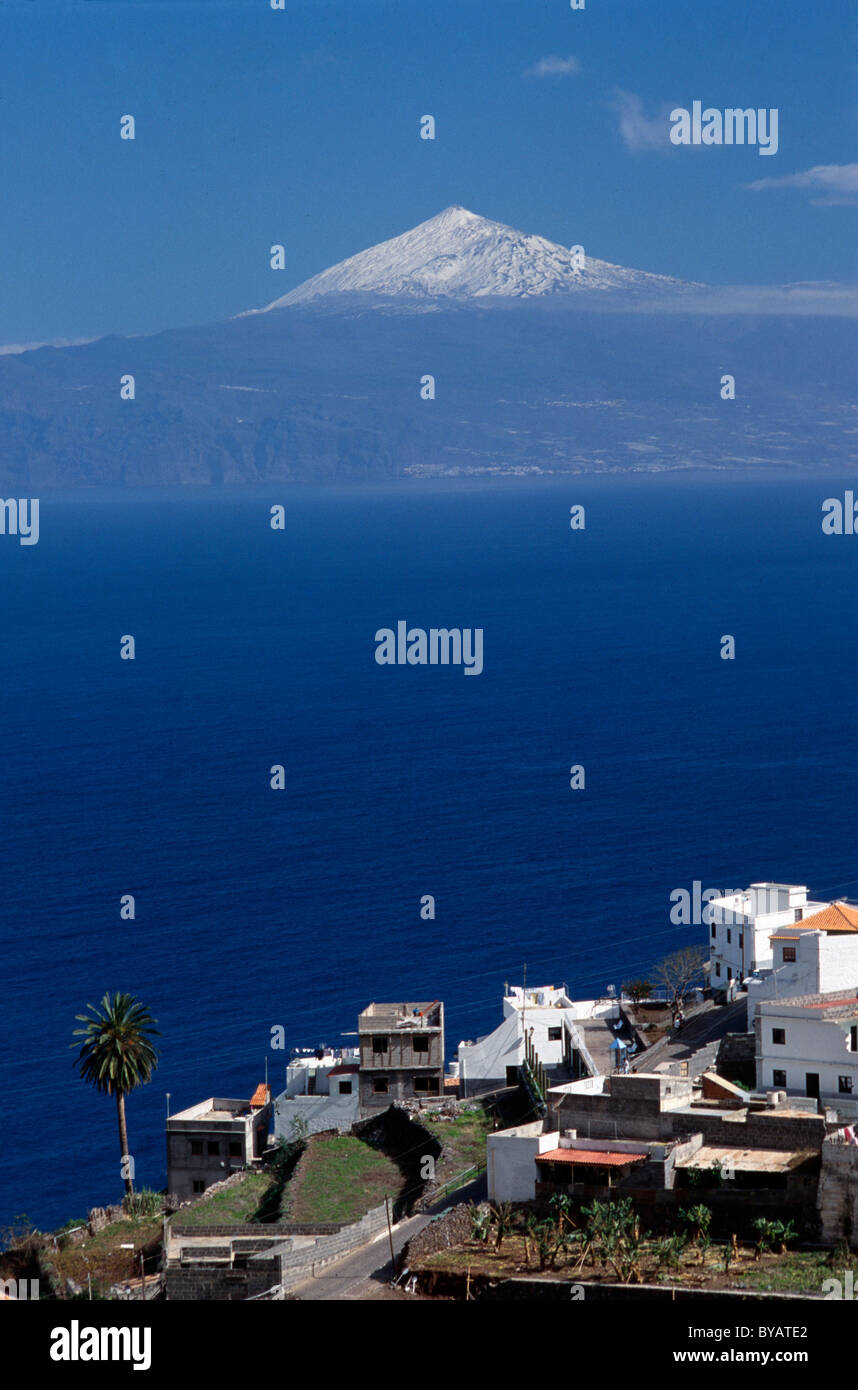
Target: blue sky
(301,127)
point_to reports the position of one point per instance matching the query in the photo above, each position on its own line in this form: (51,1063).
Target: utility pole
(389,1233)
(524,996)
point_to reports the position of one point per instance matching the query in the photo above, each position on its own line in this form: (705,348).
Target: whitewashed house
(808,1046)
(741,927)
(571,1038)
(322,1092)
(816,956)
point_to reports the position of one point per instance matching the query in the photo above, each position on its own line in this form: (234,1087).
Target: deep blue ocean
(256,647)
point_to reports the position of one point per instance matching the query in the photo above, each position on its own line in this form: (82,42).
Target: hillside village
(733,1099)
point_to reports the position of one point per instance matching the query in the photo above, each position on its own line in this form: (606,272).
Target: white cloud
(554,67)
(838,183)
(639,131)
(7,349)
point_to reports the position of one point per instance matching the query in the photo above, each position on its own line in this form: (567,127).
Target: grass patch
(341,1179)
(237,1204)
(100,1255)
(463,1139)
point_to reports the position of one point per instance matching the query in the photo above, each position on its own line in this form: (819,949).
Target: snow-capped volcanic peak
(459,255)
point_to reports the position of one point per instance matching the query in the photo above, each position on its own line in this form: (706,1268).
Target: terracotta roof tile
(836,917)
(260,1097)
(594,1157)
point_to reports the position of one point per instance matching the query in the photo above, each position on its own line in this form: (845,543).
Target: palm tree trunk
(123,1143)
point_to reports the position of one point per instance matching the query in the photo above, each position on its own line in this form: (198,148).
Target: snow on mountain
(458,255)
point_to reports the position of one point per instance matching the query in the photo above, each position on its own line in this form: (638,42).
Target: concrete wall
(510,1160)
(317,1112)
(193,1279)
(838,1193)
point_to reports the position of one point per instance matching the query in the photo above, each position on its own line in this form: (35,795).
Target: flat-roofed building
(216,1137)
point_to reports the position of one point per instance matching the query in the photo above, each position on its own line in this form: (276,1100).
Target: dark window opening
(427,1084)
(421,1042)
(779,1036)
(234,1148)
(844,1085)
(380,1085)
(380,1045)
(196,1146)
(779,1078)
(789,953)
(213,1146)
(555,1034)
(345,1088)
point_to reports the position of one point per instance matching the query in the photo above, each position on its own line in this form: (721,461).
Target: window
(778,1078)
(555,1034)
(714,932)
(729,972)
(196,1146)
(379,1085)
(213,1147)
(235,1148)
(380,1045)
(779,1036)
(421,1042)
(717,967)
(799,913)
(741,940)
(199,1185)
(427,1084)
(729,936)
(844,1085)
(345,1088)
(789,953)
(853,1038)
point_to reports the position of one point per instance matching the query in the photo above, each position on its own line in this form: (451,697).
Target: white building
(309,1072)
(322,1092)
(565,1034)
(808,1046)
(819,956)
(741,927)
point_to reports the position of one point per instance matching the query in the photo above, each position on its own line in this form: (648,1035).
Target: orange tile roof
(261,1096)
(836,917)
(831,1004)
(607,1159)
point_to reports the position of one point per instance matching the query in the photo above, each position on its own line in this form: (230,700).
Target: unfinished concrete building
(401,1050)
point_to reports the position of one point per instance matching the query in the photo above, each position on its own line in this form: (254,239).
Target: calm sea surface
(256,647)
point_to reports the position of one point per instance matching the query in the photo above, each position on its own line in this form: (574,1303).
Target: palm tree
(117,1054)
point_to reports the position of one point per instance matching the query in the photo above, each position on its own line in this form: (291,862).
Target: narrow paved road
(355,1276)
(706,1026)
(367,1273)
